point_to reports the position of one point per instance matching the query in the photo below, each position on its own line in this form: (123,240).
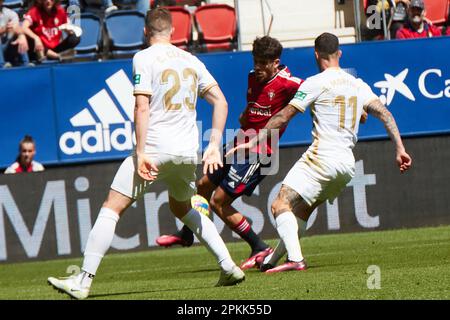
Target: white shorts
(177,172)
(315,184)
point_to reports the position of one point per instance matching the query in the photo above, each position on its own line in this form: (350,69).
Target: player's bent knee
(278,207)
(179,208)
(205,187)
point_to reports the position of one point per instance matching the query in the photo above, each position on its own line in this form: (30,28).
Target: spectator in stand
(141,5)
(417,26)
(13,43)
(399,16)
(43,24)
(24,161)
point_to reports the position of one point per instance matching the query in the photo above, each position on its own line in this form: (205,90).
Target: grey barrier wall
(49,214)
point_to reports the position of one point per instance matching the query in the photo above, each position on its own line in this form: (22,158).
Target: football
(200,204)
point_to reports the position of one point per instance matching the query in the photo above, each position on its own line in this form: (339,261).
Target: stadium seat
(125,29)
(437,10)
(182,24)
(90,42)
(13,4)
(216,25)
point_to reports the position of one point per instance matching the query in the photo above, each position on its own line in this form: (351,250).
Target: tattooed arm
(278,121)
(378,110)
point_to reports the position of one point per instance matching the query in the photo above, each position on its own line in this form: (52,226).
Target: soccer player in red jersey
(270,87)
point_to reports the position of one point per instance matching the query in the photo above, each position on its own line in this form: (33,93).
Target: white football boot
(235,276)
(69,285)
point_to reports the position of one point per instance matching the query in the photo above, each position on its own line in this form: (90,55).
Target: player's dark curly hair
(267,48)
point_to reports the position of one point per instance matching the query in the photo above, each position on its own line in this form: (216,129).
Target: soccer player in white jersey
(337,101)
(166,83)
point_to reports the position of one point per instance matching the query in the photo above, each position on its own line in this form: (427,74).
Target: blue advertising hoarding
(84,111)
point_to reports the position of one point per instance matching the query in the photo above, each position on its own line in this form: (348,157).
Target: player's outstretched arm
(144,167)
(378,110)
(278,121)
(212,158)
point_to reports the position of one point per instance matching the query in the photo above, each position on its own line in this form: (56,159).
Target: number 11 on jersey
(352,103)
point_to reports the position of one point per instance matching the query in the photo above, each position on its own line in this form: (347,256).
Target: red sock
(242,227)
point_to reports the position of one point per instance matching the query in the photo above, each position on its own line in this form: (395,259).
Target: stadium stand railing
(295,24)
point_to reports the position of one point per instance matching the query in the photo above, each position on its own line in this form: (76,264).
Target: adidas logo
(112,124)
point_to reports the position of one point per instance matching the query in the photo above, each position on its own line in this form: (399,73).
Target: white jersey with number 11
(336,99)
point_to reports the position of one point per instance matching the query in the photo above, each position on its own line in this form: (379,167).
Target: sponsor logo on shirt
(137,79)
(300,95)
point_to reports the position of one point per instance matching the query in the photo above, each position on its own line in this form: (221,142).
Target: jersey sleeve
(63,18)
(205,80)
(31,16)
(306,94)
(13,17)
(142,78)
(293,85)
(10,170)
(367,94)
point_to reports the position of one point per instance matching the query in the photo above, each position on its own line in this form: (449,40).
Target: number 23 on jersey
(178,81)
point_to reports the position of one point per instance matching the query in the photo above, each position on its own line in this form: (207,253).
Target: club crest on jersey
(56,21)
(271,94)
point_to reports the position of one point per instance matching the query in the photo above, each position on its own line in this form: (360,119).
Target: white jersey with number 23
(173,79)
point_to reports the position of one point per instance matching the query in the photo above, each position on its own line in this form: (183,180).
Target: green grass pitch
(414,264)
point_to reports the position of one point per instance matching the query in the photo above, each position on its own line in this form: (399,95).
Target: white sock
(280,249)
(99,240)
(287,228)
(85,279)
(206,232)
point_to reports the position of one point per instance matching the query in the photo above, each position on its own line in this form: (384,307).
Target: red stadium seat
(216,24)
(437,10)
(182,24)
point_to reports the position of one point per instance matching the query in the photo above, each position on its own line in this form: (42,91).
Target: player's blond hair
(158,22)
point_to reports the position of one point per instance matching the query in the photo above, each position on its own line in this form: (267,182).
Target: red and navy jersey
(264,100)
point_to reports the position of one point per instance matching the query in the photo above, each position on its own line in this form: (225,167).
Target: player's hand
(145,168)
(364,116)
(212,159)
(404,160)
(244,147)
